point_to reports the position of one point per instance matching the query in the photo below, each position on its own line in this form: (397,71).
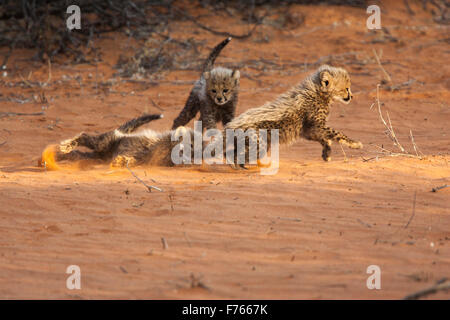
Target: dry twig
(149,187)
(441,285)
(222,33)
(390,131)
(436,189)
(171,202)
(345,155)
(387,77)
(416,149)
(9,114)
(164,243)
(413,210)
(392,136)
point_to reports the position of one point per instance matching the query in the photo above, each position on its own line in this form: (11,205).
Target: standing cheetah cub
(303,110)
(215,95)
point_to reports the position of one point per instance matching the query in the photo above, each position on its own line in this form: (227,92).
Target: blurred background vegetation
(41,25)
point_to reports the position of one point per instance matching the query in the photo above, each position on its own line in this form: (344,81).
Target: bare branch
(387,77)
(441,285)
(149,187)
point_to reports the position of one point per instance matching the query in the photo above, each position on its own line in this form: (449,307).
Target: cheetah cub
(215,95)
(303,110)
(124,146)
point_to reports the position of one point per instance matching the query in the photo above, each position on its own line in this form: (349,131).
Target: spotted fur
(303,111)
(123,146)
(215,94)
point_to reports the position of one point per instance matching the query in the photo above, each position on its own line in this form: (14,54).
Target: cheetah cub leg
(326,151)
(124,161)
(349,142)
(325,136)
(68,145)
(354,145)
(341,138)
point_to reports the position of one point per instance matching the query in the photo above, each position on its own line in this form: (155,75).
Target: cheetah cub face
(221,84)
(336,83)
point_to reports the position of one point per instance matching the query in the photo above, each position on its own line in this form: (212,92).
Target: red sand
(309,232)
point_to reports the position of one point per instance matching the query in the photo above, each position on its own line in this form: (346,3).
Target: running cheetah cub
(303,111)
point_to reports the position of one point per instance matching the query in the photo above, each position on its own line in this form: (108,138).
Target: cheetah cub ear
(236,75)
(180,131)
(325,80)
(206,75)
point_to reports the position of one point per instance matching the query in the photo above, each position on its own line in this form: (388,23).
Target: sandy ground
(308,232)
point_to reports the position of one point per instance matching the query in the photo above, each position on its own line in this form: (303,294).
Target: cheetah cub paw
(355,145)
(123,161)
(352,144)
(67,146)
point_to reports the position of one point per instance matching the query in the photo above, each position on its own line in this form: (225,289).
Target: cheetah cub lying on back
(303,110)
(125,146)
